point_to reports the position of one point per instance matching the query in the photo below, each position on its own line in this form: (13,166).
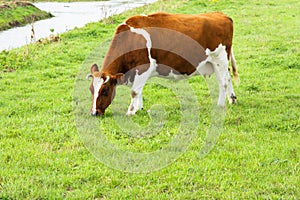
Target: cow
(173,46)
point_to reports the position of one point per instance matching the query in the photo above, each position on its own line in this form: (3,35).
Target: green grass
(13,14)
(256,157)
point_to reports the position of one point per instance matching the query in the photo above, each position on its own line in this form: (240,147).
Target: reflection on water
(67,17)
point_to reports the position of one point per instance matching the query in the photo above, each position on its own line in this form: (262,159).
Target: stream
(67,17)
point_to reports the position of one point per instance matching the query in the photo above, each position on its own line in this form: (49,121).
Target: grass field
(257,156)
(19,13)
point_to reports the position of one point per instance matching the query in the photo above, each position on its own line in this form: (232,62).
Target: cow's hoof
(232,99)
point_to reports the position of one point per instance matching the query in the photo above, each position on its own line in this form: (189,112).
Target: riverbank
(35,1)
(15,14)
(256,156)
(67,17)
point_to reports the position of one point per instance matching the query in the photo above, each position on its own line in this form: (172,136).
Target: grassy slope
(257,156)
(17,15)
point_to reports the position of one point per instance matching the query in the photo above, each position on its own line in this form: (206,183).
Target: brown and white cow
(167,45)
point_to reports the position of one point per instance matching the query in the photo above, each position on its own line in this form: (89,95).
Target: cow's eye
(105,91)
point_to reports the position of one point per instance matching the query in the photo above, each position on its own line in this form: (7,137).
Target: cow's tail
(234,67)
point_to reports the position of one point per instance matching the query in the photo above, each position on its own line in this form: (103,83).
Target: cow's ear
(118,79)
(94,68)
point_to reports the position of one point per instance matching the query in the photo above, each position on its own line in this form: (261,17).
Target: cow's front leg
(137,89)
(136,102)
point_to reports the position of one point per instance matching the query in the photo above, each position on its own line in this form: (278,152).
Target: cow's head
(103,89)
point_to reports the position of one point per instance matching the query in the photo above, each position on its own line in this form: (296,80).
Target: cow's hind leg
(229,89)
(225,85)
(220,65)
(222,88)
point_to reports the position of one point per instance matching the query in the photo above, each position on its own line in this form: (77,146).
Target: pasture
(257,155)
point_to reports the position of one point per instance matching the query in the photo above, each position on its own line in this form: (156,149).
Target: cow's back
(209,29)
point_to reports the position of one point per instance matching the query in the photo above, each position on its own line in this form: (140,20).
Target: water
(67,17)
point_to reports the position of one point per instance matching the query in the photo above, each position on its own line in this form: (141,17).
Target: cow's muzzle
(97,113)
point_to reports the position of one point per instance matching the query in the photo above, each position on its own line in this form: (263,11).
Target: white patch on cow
(97,83)
(140,80)
(147,37)
(144,15)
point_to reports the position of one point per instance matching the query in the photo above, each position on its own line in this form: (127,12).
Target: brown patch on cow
(143,68)
(122,28)
(129,77)
(141,64)
(163,70)
(131,108)
(192,26)
(168,61)
(133,94)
